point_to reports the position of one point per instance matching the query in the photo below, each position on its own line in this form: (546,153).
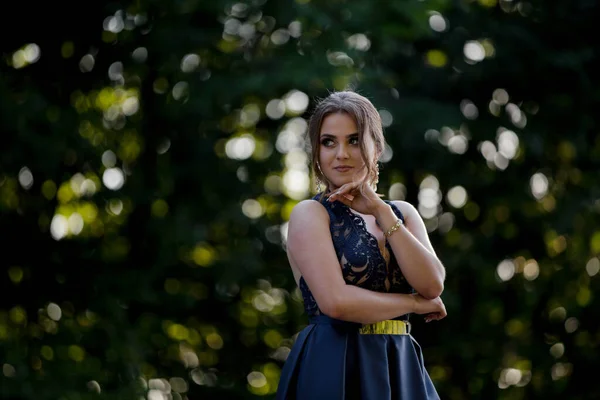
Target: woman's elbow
(332,307)
(432,291)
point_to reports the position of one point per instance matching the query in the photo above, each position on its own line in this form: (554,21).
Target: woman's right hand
(434,309)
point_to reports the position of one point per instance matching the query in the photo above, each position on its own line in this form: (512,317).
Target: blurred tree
(152,153)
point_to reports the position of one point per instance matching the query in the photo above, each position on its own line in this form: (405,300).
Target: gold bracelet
(394,228)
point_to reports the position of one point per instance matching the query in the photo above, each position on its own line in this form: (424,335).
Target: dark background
(176,284)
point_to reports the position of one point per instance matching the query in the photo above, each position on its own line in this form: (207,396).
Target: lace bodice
(359,254)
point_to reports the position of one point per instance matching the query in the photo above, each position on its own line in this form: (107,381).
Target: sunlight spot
(474,51)
(275,109)
(247,31)
(458,144)
(446,134)
(469,109)
(75,222)
(397,191)
(386,118)
(240,148)
(505,270)
(432,135)
(250,115)
(87,62)
(8,370)
(488,150)
(558,314)
(457,196)
(280,36)
(190,62)
(508,143)
(539,185)
(140,54)
(154,394)
(446,221)
(130,106)
(560,370)
(25,56)
(296,183)
(500,96)
(272,184)
(25,178)
(31,53)
(113,24)
(113,178)
(256,379)
(339,59)
(296,101)
(295,29)
(94,386)
(288,140)
(115,206)
(500,161)
(436,58)
(531,270)
(593,266)
(296,159)
(163,146)
(178,384)
(180,90)
(557,350)
(429,197)
(59,227)
(571,325)
(430,181)
(115,71)
(252,209)
(511,376)
(54,311)
(437,22)
(231,26)
(359,41)
(387,154)
(516,116)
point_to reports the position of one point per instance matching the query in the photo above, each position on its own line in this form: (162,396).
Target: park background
(152,151)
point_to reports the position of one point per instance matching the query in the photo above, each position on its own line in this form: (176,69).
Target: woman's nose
(342,152)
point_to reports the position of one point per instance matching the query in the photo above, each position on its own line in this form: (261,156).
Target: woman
(363,265)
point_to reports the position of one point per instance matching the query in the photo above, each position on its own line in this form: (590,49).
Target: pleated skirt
(330,360)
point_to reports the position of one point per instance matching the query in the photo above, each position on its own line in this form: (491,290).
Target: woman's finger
(346,188)
(343,199)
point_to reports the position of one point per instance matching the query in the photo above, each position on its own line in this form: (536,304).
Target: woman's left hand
(349,194)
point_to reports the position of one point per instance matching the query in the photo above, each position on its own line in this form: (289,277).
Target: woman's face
(339,150)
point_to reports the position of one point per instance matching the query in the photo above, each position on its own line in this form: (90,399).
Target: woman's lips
(343,169)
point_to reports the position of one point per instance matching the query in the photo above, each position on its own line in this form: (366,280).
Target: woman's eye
(327,142)
(354,140)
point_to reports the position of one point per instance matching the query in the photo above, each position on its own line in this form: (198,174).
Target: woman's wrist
(382,210)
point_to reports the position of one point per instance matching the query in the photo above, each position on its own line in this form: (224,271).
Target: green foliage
(152,153)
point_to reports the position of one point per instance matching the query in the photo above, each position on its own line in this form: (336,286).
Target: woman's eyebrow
(329,135)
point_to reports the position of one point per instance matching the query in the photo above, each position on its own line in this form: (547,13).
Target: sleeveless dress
(330,360)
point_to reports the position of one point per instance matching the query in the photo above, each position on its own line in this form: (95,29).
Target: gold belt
(388,327)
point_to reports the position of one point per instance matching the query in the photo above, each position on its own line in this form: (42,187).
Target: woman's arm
(412,249)
(310,250)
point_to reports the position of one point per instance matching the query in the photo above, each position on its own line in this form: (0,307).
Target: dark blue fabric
(361,260)
(330,359)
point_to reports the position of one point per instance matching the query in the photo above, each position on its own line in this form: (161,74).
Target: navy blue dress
(330,359)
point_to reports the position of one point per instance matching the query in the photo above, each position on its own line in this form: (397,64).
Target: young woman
(363,265)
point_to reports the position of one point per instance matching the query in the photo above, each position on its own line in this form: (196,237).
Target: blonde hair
(367,120)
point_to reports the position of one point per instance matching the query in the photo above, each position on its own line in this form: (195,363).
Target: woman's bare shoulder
(309,209)
(406,208)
